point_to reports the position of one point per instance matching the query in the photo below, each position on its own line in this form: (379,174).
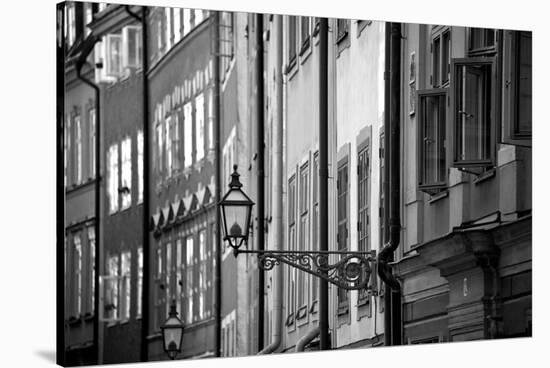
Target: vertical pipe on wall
(261,175)
(323,176)
(217,252)
(146,191)
(277,194)
(392,316)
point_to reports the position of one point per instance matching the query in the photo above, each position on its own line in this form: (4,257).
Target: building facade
(183,169)
(79,183)
(465,255)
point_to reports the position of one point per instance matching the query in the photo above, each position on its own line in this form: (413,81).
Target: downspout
(261,175)
(392,318)
(306,339)
(144,354)
(277,195)
(323,177)
(217,134)
(79,64)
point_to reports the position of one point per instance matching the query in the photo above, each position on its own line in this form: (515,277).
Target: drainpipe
(392,317)
(306,339)
(323,177)
(261,175)
(79,64)
(277,194)
(144,354)
(217,134)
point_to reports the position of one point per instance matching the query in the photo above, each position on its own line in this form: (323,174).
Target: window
(78,149)
(441,56)
(227,43)
(77,269)
(473,112)
(139,287)
(342,237)
(168,276)
(315,221)
(517,94)
(168,140)
(305,31)
(189,264)
(140,165)
(203,274)
(291,289)
(179,275)
(363,199)
(175,132)
(114,59)
(228,335)
(131,39)
(168,29)
(432,108)
(159,145)
(71,23)
(188,134)
(292,25)
(160,33)
(112,178)
(126,173)
(177,25)
(87,17)
(91,269)
(481,41)
(199,126)
(302,291)
(186,21)
(112,289)
(198,16)
(91,150)
(68,152)
(159,312)
(342,27)
(211,120)
(125,281)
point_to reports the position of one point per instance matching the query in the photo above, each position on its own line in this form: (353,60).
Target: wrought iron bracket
(347,270)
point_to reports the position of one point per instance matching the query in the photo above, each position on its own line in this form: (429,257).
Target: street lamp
(235,208)
(347,270)
(172,333)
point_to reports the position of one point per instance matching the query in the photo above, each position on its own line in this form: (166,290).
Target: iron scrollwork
(347,270)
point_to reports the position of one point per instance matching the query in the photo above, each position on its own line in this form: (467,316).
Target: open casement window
(432,162)
(473,85)
(131,39)
(517,88)
(114,55)
(125,189)
(112,178)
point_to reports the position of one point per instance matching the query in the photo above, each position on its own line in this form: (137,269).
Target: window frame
(483,50)
(125,188)
(305,39)
(292,41)
(491,116)
(435,187)
(364,148)
(343,296)
(443,61)
(113,178)
(291,272)
(302,284)
(510,90)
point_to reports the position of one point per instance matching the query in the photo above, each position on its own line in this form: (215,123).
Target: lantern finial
(235,182)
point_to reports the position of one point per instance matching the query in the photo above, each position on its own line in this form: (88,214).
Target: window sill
(485,176)
(343,310)
(439,196)
(302,313)
(88,316)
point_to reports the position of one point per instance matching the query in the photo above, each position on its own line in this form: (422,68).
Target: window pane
(436,61)
(433,139)
(446,57)
(473,109)
(524,71)
(291,38)
(199,129)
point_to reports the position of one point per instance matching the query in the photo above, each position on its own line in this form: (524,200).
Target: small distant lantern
(236,208)
(172,333)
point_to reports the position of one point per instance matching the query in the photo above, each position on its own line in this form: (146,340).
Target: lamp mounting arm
(347,270)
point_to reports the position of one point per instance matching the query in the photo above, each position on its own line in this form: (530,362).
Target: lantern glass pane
(236,195)
(236,220)
(172,337)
